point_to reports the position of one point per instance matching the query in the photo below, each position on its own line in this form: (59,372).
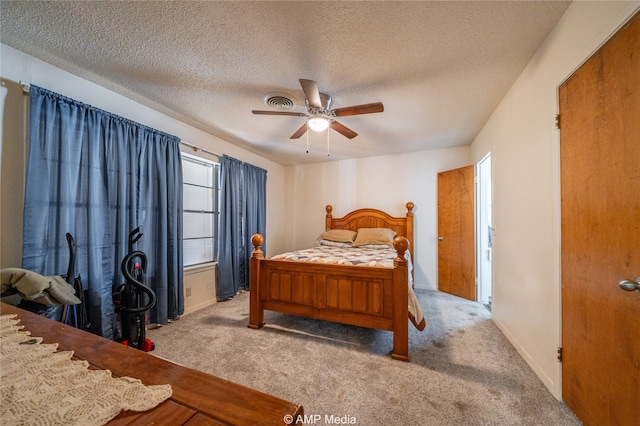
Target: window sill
(200,267)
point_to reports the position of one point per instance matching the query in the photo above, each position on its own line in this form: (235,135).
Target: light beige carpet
(463,371)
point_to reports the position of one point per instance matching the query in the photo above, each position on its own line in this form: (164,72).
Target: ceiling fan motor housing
(326,105)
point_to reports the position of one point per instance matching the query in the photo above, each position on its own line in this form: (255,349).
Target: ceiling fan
(319,113)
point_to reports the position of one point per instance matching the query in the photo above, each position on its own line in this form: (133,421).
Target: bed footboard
(356,295)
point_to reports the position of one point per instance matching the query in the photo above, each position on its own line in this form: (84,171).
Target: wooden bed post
(410,206)
(256,311)
(410,226)
(328,218)
(400,301)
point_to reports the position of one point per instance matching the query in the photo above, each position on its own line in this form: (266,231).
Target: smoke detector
(280,101)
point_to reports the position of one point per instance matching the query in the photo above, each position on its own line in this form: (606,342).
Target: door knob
(630,285)
(440,238)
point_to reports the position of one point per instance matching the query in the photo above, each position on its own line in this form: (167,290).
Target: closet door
(600,208)
(456,234)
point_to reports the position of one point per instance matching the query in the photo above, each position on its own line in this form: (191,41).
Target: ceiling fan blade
(301,131)
(359,109)
(343,129)
(297,114)
(310,89)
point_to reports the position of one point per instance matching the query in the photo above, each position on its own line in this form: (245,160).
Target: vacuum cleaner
(133,299)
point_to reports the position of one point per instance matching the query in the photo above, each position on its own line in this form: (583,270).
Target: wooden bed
(197,399)
(363,296)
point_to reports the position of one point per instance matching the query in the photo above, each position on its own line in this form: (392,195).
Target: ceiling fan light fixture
(318,123)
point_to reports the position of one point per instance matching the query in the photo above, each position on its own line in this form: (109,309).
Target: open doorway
(484,230)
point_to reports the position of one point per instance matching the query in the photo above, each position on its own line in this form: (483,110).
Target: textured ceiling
(439,68)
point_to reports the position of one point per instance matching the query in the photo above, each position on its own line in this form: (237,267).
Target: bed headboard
(372,218)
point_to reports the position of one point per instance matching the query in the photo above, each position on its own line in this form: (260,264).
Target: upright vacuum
(133,299)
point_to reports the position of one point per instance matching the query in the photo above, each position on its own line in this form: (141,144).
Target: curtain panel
(98,176)
(243,212)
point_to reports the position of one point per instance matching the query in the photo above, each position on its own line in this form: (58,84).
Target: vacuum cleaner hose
(133,280)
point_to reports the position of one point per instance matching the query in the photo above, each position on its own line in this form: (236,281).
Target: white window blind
(201,182)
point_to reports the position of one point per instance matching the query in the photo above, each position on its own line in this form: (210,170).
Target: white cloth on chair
(47,290)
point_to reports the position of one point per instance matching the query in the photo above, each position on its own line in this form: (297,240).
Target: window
(201,181)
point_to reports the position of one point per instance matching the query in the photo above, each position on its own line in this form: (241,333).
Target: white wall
(386,183)
(523,142)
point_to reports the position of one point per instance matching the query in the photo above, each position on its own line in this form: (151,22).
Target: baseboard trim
(199,306)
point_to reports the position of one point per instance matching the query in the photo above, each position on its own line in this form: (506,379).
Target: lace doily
(41,386)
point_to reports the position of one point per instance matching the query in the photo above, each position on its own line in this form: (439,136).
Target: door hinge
(559,353)
(557,121)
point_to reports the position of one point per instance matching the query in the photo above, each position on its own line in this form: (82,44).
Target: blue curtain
(98,176)
(255,189)
(243,212)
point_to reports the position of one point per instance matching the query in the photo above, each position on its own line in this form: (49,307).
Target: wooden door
(456,235)
(600,208)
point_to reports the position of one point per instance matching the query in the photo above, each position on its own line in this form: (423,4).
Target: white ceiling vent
(280,101)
